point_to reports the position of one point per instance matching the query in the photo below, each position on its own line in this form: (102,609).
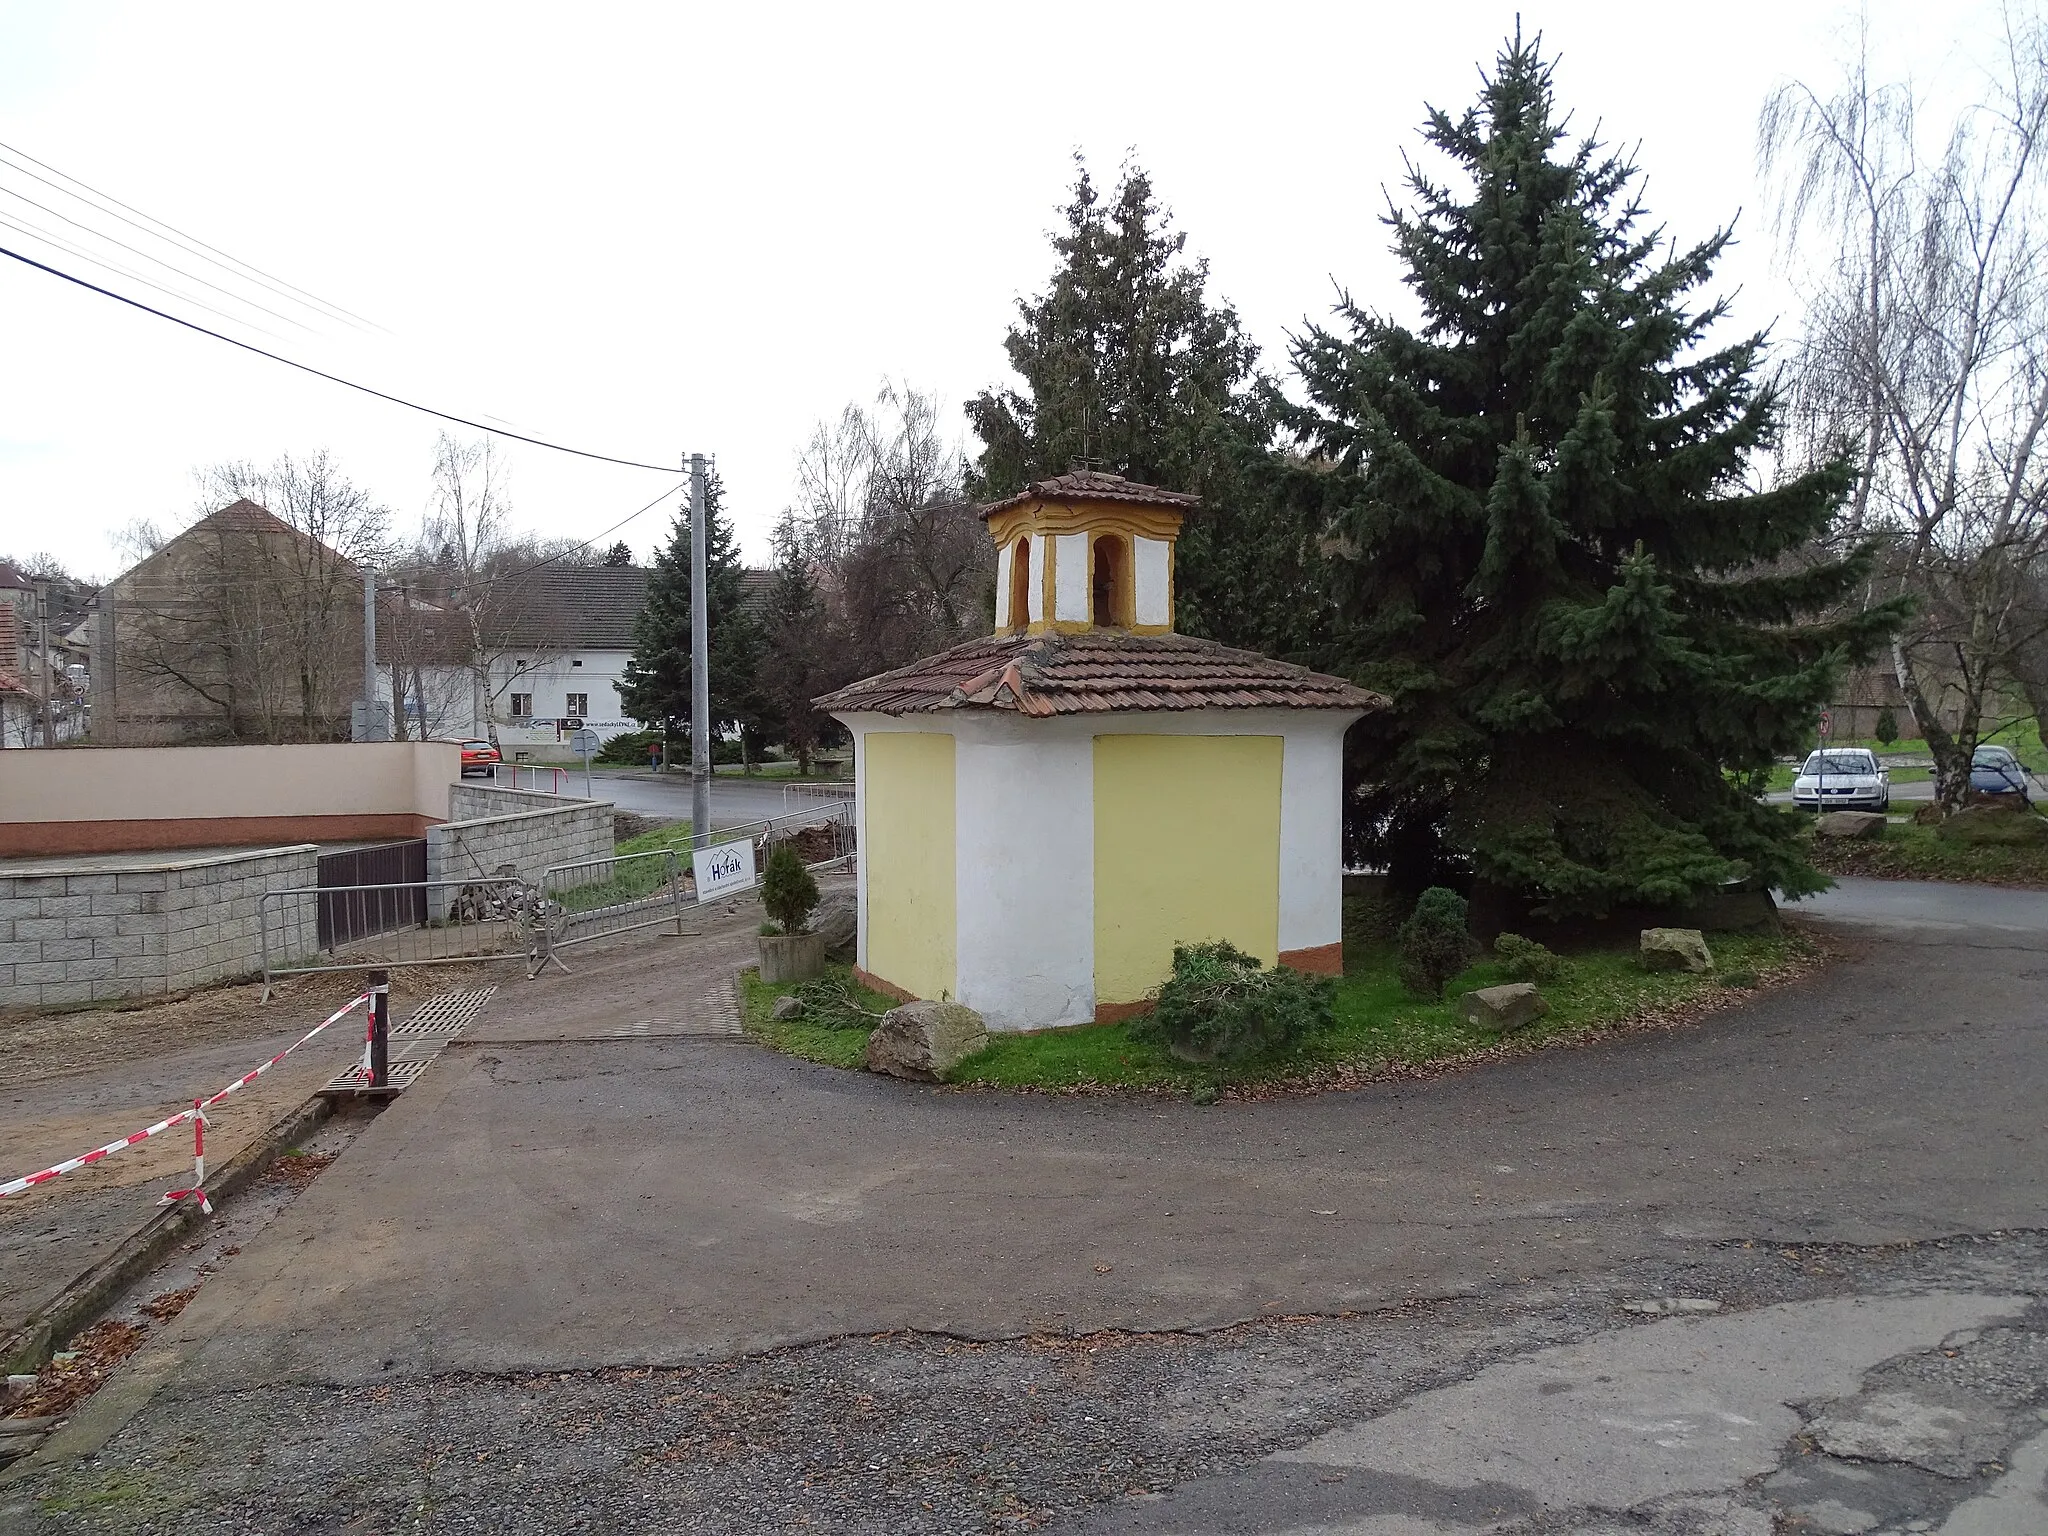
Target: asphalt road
(733,801)
(667,1283)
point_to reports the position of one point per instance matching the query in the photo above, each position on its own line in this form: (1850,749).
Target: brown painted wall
(36,839)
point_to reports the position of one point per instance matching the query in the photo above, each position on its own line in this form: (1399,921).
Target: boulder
(925,1041)
(837,921)
(787,1007)
(1501,1009)
(1675,949)
(2005,822)
(1851,824)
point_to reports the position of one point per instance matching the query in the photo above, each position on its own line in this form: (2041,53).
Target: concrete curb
(84,1298)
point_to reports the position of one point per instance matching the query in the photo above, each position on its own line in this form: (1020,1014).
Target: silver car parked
(1842,779)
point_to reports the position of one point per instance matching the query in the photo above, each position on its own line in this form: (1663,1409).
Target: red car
(479,759)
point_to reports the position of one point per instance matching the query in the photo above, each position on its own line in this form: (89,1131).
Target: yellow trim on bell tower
(1047,521)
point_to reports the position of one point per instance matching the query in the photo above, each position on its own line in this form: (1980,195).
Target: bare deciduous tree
(1926,352)
(905,565)
(247,626)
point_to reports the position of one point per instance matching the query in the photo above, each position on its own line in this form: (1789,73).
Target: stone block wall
(81,935)
(472,802)
(529,841)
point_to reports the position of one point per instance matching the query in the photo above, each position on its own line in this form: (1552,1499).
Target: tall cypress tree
(794,644)
(1596,633)
(1127,366)
(655,687)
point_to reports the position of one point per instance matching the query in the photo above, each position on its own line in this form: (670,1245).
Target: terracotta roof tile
(1094,485)
(1097,672)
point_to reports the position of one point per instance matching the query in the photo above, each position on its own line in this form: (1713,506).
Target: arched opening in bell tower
(1110,582)
(1020,584)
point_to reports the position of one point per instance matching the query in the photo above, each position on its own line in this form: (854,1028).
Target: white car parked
(1842,779)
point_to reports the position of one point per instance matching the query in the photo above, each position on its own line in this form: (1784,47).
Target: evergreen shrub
(1219,1005)
(1887,728)
(1527,960)
(1434,943)
(788,892)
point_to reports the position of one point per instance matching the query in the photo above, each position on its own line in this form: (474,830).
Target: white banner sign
(728,867)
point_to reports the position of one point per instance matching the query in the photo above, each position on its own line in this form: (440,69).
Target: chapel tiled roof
(1094,485)
(1096,672)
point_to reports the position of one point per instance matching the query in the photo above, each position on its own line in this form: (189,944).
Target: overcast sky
(650,230)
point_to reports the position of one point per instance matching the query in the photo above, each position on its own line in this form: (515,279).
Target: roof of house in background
(571,607)
(240,516)
(11,578)
(1094,485)
(1097,672)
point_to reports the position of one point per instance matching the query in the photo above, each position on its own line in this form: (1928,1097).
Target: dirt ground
(35,1047)
(72,1081)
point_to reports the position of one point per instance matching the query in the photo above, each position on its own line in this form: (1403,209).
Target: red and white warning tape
(196,1114)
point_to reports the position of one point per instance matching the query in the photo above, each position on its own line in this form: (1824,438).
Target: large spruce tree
(655,687)
(1546,544)
(1127,366)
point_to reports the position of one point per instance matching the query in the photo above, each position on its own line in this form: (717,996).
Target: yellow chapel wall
(1187,848)
(907,846)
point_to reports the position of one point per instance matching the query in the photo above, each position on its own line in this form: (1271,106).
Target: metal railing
(835,814)
(794,796)
(418,922)
(615,893)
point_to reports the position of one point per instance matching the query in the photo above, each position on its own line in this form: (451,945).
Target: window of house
(579,704)
(1110,587)
(522,706)
(1020,584)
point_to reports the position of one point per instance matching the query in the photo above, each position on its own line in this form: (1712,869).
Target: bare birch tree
(1926,352)
(905,565)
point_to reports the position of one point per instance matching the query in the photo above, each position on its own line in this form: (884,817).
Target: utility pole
(700,668)
(42,589)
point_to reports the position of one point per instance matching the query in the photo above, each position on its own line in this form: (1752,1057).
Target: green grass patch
(1378,1025)
(675,835)
(813,1042)
(1909,852)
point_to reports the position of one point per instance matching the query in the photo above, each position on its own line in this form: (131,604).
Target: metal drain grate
(448,1013)
(356,1080)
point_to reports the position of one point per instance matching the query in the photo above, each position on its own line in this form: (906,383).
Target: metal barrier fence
(418,922)
(794,796)
(834,816)
(500,917)
(616,893)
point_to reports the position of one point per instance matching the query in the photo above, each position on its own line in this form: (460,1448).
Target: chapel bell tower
(1086,551)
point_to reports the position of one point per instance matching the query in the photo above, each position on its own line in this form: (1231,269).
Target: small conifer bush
(1887,728)
(1527,960)
(788,892)
(1219,1005)
(1434,943)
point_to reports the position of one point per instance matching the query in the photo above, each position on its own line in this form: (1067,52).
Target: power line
(145,255)
(332,378)
(564,554)
(190,243)
(71,247)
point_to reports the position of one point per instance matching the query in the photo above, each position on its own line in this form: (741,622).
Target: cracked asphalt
(1784,1270)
